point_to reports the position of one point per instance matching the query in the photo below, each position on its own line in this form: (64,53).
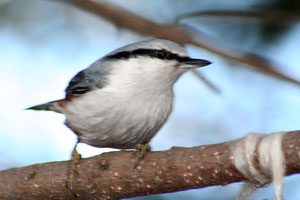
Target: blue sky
(38,61)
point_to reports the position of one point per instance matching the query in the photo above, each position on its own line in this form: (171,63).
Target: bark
(112,175)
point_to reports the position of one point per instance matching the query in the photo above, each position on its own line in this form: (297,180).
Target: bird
(123,99)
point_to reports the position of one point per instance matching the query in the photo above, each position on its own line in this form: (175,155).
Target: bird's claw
(72,169)
(142,149)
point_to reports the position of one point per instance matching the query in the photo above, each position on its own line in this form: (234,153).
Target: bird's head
(155,60)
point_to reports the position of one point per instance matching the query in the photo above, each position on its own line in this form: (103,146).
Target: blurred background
(44,43)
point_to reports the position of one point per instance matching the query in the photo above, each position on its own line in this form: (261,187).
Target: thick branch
(111,175)
(180,34)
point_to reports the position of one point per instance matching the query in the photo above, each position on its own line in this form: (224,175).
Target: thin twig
(177,34)
(207,82)
(263,17)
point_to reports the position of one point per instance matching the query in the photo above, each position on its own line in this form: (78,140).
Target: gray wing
(94,77)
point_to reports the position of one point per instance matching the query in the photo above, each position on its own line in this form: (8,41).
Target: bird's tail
(51,106)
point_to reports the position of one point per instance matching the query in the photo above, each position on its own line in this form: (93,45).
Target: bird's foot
(142,149)
(72,170)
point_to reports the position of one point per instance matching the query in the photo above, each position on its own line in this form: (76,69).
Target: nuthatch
(124,98)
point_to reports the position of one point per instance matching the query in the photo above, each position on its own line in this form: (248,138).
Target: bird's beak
(194,63)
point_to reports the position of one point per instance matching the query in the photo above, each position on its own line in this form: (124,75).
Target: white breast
(121,115)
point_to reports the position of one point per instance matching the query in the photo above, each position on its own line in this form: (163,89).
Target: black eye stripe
(154,53)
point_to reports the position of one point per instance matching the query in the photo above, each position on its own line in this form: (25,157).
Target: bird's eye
(161,54)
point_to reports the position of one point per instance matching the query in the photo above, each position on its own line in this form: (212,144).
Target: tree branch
(112,175)
(267,17)
(180,34)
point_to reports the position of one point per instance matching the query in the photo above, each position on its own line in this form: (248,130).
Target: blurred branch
(207,82)
(112,175)
(270,17)
(179,34)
